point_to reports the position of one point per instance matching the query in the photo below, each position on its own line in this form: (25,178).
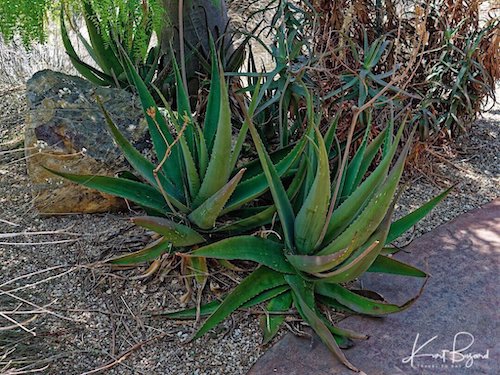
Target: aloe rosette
(195,193)
(328,237)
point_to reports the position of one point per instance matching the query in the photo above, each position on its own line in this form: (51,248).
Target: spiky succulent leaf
(206,214)
(402,225)
(371,151)
(218,171)
(214,99)
(142,165)
(270,323)
(362,258)
(158,129)
(184,108)
(354,166)
(149,253)
(89,72)
(256,249)
(312,215)
(351,207)
(210,307)
(134,191)
(319,263)
(257,282)
(278,192)
(251,188)
(178,234)
(389,265)
(359,303)
(264,215)
(374,212)
(303,297)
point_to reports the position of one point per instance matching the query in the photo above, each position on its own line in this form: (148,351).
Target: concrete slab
(460,306)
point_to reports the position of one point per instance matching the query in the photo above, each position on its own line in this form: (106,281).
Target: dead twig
(125,355)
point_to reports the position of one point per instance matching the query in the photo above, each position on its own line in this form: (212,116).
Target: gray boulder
(66,131)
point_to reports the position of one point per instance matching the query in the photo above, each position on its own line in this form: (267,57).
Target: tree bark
(201,18)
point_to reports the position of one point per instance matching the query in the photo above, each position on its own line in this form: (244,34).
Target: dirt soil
(82,318)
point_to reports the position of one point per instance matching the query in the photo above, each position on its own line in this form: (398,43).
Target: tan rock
(65,131)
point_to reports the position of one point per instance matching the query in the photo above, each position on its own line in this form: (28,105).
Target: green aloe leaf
(402,225)
(311,217)
(351,207)
(137,192)
(205,310)
(106,58)
(363,257)
(385,264)
(158,129)
(303,297)
(89,72)
(184,109)
(356,266)
(206,214)
(251,188)
(265,214)
(235,156)
(190,171)
(214,99)
(142,165)
(148,254)
(254,168)
(332,129)
(256,249)
(193,177)
(374,212)
(179,235)
(319,263)
(334,304)
(210,307)
(202,151)
(218,171)
(278,192)
(354,166)
(358,303)
(270,323)
(371,151)
(257,282)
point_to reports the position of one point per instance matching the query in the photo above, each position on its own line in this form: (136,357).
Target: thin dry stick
(39,282)
(42,309)
(446,160)
(125,355)
(35,243)
(18,324)
(9,223)
(21,372)
(31,274)
(16,150)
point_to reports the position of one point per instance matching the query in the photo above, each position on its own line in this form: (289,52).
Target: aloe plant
(325,240)
(196,179)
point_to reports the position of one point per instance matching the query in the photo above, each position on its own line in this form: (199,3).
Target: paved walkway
(460,304)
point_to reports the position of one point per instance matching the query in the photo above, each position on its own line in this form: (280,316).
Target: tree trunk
(201,18)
